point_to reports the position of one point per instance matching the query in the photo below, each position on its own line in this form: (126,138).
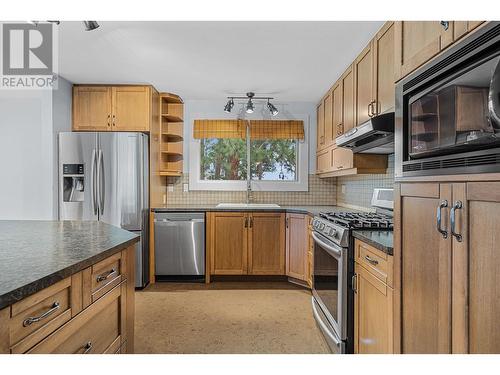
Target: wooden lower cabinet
(266,243)
(242,243)
(104,325)
(297,262)
(449,294)
(373,324)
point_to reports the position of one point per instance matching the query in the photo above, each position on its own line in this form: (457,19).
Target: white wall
(214,109)
(28,183)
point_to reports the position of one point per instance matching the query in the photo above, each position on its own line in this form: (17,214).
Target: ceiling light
(250,107)
(272,109)
(229,105)
(90,25)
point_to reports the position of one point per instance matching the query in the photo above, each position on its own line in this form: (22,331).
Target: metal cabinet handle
(457,206)
(27,322)
(251,222)
(354,282)
(372,261)
(375,108)
(445,24)
(105,275)
(246,222)
(109,118)
(442,205)
(87,347)
(114,118)
(370,109)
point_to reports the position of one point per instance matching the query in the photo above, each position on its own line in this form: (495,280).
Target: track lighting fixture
(272,109)
(229,105)
(90,25)
(250,106)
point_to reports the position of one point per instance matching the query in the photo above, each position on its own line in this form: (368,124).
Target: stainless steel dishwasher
(179,244)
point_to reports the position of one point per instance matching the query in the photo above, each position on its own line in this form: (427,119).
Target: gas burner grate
(359,220)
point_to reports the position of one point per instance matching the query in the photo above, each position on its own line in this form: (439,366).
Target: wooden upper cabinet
(373,322)
(329,130)
(348,117)
(112,108)
(91,108)
(228,243)
(131,108)
(266,243)
(383,58)
(460,28)
(297,246)
(337,110)
(363,85)
(321,127)
(417,42)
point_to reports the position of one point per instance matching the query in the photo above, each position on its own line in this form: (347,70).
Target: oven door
(330,282)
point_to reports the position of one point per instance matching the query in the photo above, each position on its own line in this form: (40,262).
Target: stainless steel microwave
(448,111)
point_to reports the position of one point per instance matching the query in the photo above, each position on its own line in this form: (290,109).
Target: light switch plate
(343,189)
(185,188)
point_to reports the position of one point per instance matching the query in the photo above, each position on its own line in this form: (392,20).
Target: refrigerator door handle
(94,182)
(101,182)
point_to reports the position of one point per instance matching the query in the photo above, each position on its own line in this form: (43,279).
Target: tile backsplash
(321,192)
(358,189)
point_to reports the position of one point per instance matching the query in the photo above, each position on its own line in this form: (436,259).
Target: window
(218,157)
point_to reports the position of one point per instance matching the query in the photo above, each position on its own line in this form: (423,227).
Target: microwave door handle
(332,250)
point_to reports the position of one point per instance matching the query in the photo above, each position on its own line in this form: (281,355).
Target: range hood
(376,136)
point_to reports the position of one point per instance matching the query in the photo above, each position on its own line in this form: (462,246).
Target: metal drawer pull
(87,347)
(372,261)
(442,205)
(457,206)
(27,322)
(354,281)
(104,276)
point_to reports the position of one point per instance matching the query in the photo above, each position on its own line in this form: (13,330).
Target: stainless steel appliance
(179,245)
(447,112)
(376,136)
(333,272)
(105,176)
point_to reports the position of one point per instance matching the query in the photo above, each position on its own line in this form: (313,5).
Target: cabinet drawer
(378,263)
(96,330)
(105,275)
(37,316)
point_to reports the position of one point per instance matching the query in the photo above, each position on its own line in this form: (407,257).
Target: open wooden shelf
(171,118)
(172,135)
(168,97)
(171,173)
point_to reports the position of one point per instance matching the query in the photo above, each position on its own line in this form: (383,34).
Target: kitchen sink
(248,205)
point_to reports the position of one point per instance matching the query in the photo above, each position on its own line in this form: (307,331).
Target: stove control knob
(321,226)
(332,232)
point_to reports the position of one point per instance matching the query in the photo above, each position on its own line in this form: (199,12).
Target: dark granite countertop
(380,239)
(37,254)
(311,210)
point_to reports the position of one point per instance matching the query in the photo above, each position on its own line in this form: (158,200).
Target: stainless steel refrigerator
(105,176)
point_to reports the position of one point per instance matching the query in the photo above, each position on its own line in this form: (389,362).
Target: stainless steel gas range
(333,295)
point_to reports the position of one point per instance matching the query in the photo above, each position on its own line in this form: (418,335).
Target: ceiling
(292,61)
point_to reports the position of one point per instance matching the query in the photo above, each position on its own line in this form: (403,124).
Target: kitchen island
(66,287)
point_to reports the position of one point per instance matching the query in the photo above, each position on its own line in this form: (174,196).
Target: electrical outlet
(170,188)
(185,188)
(343,189)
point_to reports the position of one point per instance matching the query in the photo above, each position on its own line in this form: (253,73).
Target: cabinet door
(373,314)
(328,108)
(266,243)
(417,42)
(342,158)
(321,127)
(481,216)
(324,161)
(363,81)
(91,108)
(338,127)
(131,108)
(296,246)
(425,268)
(348,100)
(228,243)
(383,52)
(460,28)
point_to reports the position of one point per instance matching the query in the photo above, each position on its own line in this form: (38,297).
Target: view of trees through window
(270,160)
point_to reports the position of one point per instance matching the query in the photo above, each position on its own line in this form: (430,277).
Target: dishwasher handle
(179,220)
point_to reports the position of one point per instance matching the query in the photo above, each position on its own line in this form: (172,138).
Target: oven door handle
(323,326)
(336,252)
